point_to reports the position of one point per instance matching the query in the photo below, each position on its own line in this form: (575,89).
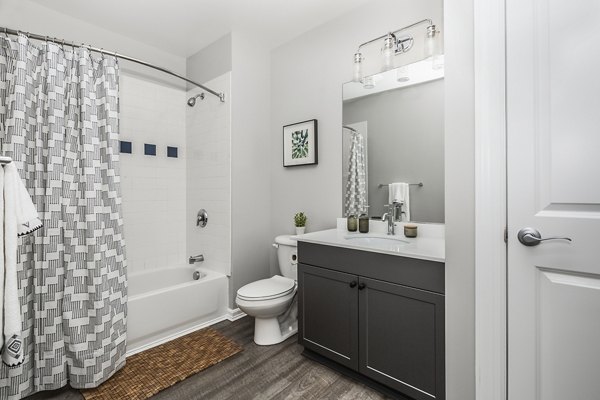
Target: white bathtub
(166,303)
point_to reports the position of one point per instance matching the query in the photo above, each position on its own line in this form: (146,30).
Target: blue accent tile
(125,147)
(172,152)
(149,149)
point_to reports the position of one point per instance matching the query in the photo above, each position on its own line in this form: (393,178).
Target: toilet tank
(287,256)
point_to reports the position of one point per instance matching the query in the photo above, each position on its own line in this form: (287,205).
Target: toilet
(272,302)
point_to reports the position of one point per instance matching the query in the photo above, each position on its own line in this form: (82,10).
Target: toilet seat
(267,289)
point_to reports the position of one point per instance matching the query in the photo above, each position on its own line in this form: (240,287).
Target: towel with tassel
(399,192)
(19,218)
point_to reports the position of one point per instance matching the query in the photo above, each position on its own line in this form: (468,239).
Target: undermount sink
(374,240)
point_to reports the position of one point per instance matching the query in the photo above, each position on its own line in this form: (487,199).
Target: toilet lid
(266,289)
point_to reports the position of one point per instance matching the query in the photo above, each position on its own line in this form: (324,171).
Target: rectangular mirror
(393,133)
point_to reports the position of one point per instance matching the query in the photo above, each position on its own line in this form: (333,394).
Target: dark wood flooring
(258,372)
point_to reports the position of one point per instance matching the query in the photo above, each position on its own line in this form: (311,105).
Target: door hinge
(505,234)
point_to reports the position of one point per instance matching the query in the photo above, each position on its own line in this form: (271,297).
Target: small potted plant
(300,222)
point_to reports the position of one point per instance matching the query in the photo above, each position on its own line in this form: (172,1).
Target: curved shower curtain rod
(9,31)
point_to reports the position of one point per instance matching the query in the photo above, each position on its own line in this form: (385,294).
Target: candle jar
(410,230)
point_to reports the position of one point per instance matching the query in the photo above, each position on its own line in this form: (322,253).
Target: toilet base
(268,331)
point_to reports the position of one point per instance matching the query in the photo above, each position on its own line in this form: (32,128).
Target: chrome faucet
(195,259)
(394,214)
(389,217)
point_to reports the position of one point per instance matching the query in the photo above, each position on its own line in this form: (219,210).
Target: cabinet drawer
(328,314)
(421,274)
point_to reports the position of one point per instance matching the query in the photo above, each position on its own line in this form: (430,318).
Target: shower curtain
(59,123)
(356,185)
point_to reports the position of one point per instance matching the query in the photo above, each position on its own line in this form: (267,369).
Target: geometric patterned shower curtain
(356,184)
(59,123)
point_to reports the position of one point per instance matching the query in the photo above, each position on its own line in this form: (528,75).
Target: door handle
(533,237)
(353,284)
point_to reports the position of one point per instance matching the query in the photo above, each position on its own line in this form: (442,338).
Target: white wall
(307,76)
(250,155)
(28,16)
(153,186)
(210,62)
(250,150)
(460,201)
(209,176)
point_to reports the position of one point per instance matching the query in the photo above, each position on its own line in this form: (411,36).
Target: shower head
(192,100)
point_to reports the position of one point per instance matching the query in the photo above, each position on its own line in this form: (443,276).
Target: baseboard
(233,314)
(179,334)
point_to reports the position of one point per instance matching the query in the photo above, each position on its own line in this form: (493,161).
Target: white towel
(399,192)
(20,217)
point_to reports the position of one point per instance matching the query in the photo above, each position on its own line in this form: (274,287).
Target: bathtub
(167,303)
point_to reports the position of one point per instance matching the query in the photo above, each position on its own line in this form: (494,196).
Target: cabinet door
(402,338)
(328,314)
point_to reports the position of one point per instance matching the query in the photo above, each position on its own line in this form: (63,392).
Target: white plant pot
(300,230)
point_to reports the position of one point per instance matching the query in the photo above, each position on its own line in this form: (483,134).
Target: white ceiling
(183,27)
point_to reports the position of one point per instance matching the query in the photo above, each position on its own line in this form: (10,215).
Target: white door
(553,120)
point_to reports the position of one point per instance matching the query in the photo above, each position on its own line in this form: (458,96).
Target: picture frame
(300,143)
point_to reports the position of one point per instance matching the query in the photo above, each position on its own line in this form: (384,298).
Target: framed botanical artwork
(300,143)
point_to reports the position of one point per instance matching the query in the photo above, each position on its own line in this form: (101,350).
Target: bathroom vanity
(372,306)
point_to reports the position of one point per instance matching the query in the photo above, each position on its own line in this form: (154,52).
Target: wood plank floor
(258,372)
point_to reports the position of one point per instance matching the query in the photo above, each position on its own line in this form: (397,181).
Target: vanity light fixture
(395,45)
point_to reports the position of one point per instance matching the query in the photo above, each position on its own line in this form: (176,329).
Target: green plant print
(300,144)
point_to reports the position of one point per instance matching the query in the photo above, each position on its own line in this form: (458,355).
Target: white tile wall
(208,127)
(154,187)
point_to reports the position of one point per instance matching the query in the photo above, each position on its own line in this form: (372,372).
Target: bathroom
(205,191)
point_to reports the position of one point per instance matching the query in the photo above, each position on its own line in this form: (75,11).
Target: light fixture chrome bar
(429,21)
(9,31)
(384,185)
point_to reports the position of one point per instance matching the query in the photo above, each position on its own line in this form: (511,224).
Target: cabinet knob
(361,286)
(353,284)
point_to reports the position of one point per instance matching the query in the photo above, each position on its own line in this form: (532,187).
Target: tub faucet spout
(195,259)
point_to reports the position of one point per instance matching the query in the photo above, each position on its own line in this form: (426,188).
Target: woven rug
(158,368)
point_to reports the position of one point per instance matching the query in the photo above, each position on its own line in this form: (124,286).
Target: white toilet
(272,302)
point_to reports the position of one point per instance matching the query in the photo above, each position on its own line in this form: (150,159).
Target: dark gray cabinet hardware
(361,286)
(353,284)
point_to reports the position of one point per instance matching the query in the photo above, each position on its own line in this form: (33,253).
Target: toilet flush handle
(275,245)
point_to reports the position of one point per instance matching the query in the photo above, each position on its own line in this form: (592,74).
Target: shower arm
(8,31)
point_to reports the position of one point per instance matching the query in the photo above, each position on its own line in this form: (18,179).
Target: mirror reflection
(393,143)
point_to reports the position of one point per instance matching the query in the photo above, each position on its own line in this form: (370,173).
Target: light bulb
(433,48)
(388,52)
(358,74)
(432,45)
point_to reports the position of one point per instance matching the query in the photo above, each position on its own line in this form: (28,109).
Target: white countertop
(428,246)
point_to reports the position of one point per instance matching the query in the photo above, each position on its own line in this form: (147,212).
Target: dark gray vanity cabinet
(379,315)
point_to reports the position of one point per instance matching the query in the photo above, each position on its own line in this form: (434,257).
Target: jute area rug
(158,368)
